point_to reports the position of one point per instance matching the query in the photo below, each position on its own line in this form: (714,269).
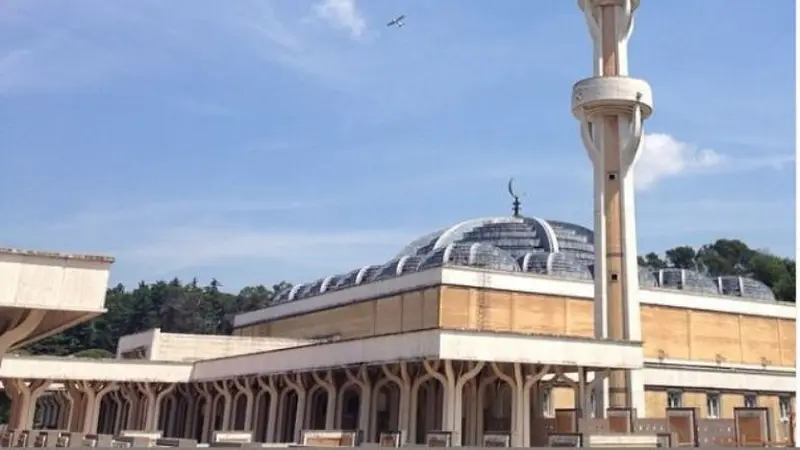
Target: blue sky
(255,141)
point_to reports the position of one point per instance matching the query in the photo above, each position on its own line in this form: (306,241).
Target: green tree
(731,257)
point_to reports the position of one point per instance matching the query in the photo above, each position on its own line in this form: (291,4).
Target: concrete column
(581,396)
(208,392)
(414,404)
(190,418)
(327,382)
(466,373)
(23,395)
(471,394)
(245,386)
(172,413)
(223,388)
(64,410)
(298,383)
(133,399)
(268,384)
(19,326)
(118,411)
(481,400)
(531,379)
(515,382)
(403,381)
(361,378)
(153,394)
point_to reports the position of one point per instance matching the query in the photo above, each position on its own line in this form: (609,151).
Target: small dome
(646,278)
(561,265)
(288,295)
(470,254)
(357,276)
(397,267)
(315,288)
(745,287)
(687,280)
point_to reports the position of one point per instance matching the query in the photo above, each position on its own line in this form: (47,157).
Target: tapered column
(611,108)
(245,387)
(402,379)
(298,383)
(327,382)
(23,395)
(153,394)
(532,378)
(269,385)
(362,379)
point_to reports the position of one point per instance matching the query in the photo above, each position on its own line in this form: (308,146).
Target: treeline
(191,308)
(173,306)
(731,257)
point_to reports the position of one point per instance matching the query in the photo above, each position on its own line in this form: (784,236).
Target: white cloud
(663,156)
(342,14)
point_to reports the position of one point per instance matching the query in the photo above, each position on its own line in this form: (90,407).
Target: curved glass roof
(520,244)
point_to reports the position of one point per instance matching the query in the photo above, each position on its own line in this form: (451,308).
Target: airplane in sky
(397,22)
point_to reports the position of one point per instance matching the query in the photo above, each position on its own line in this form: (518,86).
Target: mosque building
(513,327)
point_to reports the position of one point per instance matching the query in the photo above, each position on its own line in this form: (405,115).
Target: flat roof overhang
(53,322)
(64,368)
(430,344)
(54,291)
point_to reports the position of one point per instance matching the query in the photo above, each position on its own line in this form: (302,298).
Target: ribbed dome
(520,244)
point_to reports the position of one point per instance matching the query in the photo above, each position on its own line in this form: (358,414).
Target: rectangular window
(674,399)
(750,400)
(785,406)
(712,406)
(592,404)
(547,404)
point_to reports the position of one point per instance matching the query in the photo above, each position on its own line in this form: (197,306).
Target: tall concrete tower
(611,108)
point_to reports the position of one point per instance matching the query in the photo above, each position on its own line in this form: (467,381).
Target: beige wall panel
(665,329)
(349,321)
(563,397)
(497,311)
(655,403)
(430,308)
(695,400)
(788,342)
(728,401)
(388,317)
(540,314)
(412,311)
(579,317)
(713,334)
(455,308)
(760,339)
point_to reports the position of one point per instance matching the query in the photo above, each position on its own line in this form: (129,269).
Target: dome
(474,254)
(315,288)
(520,244)
(562,265)
(397,267)
(357,276)
(687,280)
(646,278)
(745,287)
(515,235)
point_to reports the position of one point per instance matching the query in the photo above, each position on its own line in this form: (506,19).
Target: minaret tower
(611,108)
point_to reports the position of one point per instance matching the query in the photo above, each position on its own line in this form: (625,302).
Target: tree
(172,306)
(731,257)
